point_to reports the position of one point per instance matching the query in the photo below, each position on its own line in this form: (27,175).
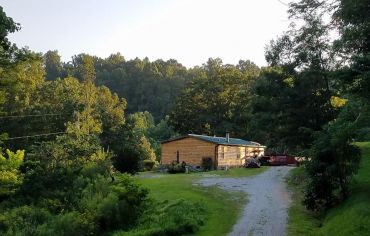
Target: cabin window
(238,156)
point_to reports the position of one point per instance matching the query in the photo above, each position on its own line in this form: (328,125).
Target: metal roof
(219,140)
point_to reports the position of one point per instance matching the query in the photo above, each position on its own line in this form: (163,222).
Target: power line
(37,135)
(19,116)
(285,4)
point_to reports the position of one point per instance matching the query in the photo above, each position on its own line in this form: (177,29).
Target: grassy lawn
(222,207)
(352,217)
(239,172)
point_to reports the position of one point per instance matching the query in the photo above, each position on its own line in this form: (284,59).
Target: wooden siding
(191,150)
(229,155)
(234,155)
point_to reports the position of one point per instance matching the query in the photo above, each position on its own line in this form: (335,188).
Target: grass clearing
(222,207)
(352,217)
(239,172)
(300,221)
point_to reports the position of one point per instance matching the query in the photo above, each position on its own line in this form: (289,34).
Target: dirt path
(268,201)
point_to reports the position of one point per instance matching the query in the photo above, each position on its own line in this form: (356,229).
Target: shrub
(123,206)
(264,160)
(176,218)
(148,164)
(22,220)
(68,224)
(127,161)
(252,163)
(207,163)
(175,167)
(334,161)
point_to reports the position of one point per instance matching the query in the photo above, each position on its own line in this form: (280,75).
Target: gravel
(268,201)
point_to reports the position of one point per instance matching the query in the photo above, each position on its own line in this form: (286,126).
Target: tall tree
(53,65)
(7,25)
(303,91)
(213,100)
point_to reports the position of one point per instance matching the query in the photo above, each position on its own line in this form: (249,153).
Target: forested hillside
(67,129)
(147,86)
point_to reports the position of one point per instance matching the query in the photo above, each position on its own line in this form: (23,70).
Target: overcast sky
(189,31)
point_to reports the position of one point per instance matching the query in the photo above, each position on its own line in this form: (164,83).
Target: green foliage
(7,25)
(146,149)
(215,100)
(292,100)
(102,208)
(125,143)
(53,65)
(130,143)
(353,21)
(177,218)
(148,164)
(10,177)
(218,204)
(123,205)
(70,223)
(350,217)
(175,168)
(147,86)
(334,162)
(207,163)
(300,220)
(23,220)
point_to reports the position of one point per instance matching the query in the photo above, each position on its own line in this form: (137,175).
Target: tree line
(311,100)
(67,127)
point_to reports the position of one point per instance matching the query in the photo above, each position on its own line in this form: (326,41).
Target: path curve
(266,211)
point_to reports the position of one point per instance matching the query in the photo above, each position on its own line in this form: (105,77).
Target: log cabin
(224,151)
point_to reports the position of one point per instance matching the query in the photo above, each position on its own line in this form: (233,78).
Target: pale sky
(189,31)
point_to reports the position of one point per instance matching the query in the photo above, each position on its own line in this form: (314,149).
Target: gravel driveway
(268,201)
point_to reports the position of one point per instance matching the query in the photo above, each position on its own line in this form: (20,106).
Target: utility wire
(32,136)
(19,116)
(285,4)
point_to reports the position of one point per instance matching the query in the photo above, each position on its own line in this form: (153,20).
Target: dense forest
(68,128)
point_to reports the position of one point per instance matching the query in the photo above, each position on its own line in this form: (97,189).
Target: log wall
(191,150)
(229,155)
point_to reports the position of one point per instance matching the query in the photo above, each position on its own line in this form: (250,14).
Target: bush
(127,161)
(264,160)
(123,206)
(22,220)
(177,218)
(334,161)
(68,224)
(207,163)
(148,164)
(252,163)
(175,167)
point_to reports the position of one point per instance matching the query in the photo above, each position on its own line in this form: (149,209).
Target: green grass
(222,207)
(239,172)
(352,217)
(300,221)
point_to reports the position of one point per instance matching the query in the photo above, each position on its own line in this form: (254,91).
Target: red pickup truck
(282,160)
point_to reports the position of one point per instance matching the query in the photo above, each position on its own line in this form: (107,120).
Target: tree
(10,177)
(19,84)
(300,94)
(213,100)
(83,68)
(335,159)
(309,56)
(125,144)
(7,25)
(53,65)
(353,45)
